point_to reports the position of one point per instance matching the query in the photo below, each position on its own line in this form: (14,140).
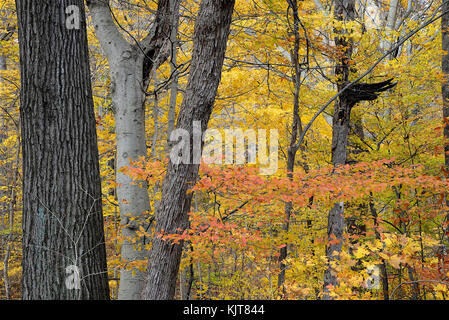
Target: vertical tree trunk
(133,199)
(344,11)
(11,218)
(2,61)
(391,19)
(445,91)
(382,265)
(445,86)
(62,207)
(3,206)
(210,39)
(174,74)
(131,66)
(392,15)
(296,130)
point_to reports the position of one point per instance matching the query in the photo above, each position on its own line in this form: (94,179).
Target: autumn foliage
(394,186)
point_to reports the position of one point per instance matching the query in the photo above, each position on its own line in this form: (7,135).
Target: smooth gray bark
(131,67)
(392,15)
(390,25)
(211,33)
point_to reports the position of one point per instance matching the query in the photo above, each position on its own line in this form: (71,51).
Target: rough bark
(175,78)
(62,207)
(445,85)
(210,39)
(390,26)
(445,91)
(344,11)
(131,67)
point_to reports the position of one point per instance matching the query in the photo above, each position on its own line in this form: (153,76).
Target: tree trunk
(296,130)
(344,11)
(445,86)
(392,15)
(175,78)
(2,61)
(131,66)
(4,181)
(11,218)
(445,91)
(62,206)
(210,39)
(388,43)
(382,266)
(133,200)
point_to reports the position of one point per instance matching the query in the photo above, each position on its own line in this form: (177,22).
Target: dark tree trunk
(62,205)
(344,11)
(445,87)
(210,38)
(445,90)
(296,131)
(383,265)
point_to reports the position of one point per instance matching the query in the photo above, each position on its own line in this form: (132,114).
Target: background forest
(355,214)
